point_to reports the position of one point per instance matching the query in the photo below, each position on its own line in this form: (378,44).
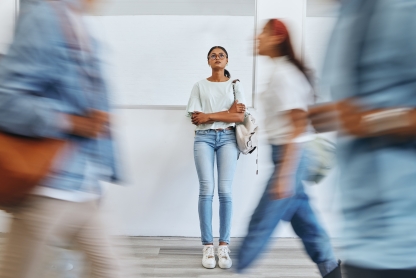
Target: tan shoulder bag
(24,162)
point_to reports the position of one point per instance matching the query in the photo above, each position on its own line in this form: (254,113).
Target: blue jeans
(295,209)
(223,144)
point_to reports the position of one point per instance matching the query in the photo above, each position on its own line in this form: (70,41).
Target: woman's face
(217,59)
(267,42)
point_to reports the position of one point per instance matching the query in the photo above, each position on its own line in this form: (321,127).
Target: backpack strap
(235,82)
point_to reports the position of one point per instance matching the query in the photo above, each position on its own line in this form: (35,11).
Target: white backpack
(246,135)
(246,132)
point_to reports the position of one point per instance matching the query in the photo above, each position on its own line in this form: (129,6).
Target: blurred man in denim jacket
(371,71)
(51,85)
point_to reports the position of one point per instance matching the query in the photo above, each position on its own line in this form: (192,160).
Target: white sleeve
(194,103)
(239,93)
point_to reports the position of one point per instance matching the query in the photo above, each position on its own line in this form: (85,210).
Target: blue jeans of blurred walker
(298,211)
(209,143)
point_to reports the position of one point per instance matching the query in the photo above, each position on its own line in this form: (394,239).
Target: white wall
(7,17)
(166,60)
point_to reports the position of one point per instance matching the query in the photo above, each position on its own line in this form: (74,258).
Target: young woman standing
(285,104)
(214,111)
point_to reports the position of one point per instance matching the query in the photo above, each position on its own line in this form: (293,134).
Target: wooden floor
(181,257)
(176,257)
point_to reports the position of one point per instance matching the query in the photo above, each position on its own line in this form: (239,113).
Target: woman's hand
(233,115)
(282,187)
(237,107)
(199,118)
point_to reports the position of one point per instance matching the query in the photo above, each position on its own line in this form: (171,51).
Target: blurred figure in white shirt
(285,104)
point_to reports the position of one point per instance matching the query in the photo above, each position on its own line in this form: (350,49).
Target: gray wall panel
(177,7)
(322,8)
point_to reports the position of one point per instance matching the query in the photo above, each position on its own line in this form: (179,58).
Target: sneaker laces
(209,251)
(223,252)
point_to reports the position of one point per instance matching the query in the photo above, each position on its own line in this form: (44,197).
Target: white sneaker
(208,257)
(224,260)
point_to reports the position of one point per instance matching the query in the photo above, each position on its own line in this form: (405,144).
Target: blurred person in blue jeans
(51,86)
(285,103)
(371,72)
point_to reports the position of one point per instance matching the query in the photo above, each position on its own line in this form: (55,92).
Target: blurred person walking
(214,111)
(51,86)
(285,103)
(371,73)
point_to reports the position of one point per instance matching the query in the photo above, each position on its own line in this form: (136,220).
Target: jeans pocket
(201,135)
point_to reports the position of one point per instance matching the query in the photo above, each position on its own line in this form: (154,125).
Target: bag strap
(235,98)
(257,159)
(235,82)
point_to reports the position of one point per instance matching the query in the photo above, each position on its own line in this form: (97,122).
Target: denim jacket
(42,81)
(372,58)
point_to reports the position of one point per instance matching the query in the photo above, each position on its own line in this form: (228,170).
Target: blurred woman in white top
(214,111)
(285,103)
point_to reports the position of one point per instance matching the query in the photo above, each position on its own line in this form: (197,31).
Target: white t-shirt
(288,89)
(213,97)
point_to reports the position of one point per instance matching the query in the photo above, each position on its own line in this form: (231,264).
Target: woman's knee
(206,197)
(206,187)
(225,197)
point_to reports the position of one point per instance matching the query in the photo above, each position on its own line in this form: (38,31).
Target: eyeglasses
(220,56)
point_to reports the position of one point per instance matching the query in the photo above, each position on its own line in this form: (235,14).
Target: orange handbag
(24,162)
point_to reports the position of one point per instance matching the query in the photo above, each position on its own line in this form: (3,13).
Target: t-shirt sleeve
(194,103)
(239,93)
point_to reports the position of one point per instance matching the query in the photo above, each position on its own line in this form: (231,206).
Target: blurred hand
(91,126)
(237,107)
(282,188)
(324,117)
(350,119)
(199,118)
(343,115)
